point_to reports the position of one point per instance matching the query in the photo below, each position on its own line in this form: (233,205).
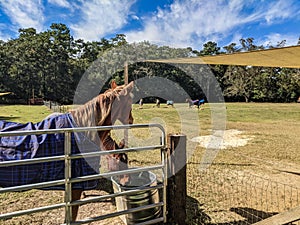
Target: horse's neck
(103,135)
(87,116)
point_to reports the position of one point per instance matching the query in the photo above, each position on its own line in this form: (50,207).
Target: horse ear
(127,89)
(113,84)
(129,86)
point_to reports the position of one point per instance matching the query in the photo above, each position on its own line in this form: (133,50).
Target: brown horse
(104,110)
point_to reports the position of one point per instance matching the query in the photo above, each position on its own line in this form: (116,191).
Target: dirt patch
(223,139)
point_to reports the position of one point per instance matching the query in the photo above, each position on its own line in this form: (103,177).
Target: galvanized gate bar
(165,181)
(108,152)
(32,186)
(78,179)
(31,161)
(32,210)
(68,175)
(116,173)
(76,156)
(82,129)
(103,197)
(78,202)
(120,213)
(68,180)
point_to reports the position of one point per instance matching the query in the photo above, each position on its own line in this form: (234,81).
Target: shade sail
(288,57)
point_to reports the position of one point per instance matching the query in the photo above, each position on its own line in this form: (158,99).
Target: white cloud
(135,17)
(282,9)
(61,3)
(193,22)
(185,22)
(180,24)
(99,18)
(275,38)
(25,13)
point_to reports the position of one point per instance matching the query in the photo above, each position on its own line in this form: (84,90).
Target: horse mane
(97,111)
(98,108)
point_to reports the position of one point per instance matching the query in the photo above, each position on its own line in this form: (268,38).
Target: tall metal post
(68,185)
(126,82)
(126,73)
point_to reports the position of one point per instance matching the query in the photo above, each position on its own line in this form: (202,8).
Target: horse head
(121,101)
(121,98)
(105,109)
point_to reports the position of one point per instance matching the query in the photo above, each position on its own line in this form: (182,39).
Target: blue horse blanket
(45,145)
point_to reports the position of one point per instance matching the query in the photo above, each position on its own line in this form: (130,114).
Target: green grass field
(23,113)
(275,127)
(274,130)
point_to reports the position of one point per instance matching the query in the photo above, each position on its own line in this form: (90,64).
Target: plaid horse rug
(45,145)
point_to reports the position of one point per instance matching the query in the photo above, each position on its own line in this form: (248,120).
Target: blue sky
(177,23)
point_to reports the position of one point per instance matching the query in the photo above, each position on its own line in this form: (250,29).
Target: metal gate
(68,180)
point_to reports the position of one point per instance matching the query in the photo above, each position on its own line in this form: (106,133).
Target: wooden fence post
(176,188)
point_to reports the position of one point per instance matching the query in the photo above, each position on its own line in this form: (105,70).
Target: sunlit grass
(23,113)
(275,129)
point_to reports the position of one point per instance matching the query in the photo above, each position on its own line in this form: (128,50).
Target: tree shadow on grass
(195,212)
(251,215)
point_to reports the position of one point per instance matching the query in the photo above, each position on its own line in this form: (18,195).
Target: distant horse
(196,102)
(170,102)
(103,110)
(157,103)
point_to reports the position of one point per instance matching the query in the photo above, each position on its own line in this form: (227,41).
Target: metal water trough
(139,199)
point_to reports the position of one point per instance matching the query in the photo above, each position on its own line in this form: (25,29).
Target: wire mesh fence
(234,194)
(56,107)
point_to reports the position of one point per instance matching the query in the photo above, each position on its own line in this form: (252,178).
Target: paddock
(244,181)
(244,192)
(254,176)
(244,185)
(256,173)
(67,204)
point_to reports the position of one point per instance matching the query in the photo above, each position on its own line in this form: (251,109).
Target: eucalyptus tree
(239,81)
(277,84)
(212,48)
(265,85)
(231,48)
(288,83)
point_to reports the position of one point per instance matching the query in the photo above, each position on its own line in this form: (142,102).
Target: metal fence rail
(68,180)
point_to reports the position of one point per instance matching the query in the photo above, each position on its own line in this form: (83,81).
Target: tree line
(50,64)
(260,84)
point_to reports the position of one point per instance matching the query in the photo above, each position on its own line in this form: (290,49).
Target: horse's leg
(76,194)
